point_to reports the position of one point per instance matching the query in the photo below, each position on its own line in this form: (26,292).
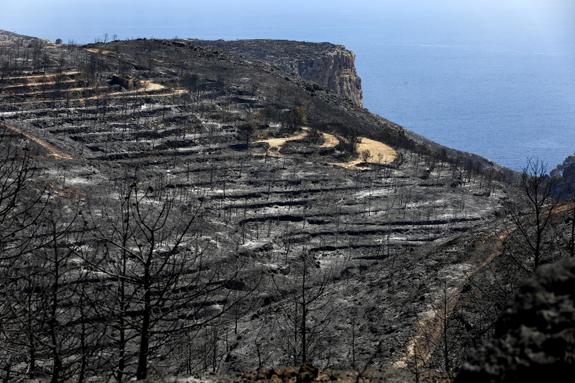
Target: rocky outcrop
(565,174)
(336,71)
(328,65)
(535,339)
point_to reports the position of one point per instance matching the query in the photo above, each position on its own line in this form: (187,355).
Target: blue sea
(493,77)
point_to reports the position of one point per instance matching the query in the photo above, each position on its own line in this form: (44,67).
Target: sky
(85,20)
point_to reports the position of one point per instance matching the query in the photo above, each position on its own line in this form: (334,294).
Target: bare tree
(533,216)
(444,313)
(306,314)
(159,270)
(57,276)
(49,316)
(113,224)
(365,155)
(247,130)
(572,239)
(22,203)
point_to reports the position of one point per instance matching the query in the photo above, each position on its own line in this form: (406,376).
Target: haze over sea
(493,77)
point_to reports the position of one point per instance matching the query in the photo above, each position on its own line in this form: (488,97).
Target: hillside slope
(270,158)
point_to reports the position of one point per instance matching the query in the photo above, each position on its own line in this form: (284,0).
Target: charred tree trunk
(145,330)
(572,247)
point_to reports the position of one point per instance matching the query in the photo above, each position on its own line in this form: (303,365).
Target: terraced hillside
(280,167)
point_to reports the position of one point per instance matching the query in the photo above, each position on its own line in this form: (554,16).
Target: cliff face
(335,71)
(328,65)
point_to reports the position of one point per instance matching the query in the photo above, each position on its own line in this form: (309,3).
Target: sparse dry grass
(329,141)
(379,153)
(150,86)
(275,144)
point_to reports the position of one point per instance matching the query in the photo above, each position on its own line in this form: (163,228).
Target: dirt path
(46,92)
(564,208)
(52,151)
(429,327)
(42,76)
(36,84)
(380,153)
(99,51)
(275,144)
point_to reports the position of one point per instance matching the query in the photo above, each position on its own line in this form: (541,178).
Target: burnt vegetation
(149,227)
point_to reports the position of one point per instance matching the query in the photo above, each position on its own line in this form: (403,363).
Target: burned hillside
(214,212)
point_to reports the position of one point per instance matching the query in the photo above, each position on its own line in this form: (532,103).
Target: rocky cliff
(335,71)
(328,65)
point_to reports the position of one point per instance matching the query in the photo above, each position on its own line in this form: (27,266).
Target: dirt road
(52,151)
